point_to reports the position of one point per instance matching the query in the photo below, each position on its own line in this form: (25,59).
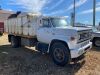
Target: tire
(60,54)
(96,42)
(14,42)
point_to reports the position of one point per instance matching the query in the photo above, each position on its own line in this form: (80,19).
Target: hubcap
(59,54)
(12,43)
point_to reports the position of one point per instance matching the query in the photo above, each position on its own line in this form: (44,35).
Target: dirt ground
(27,61)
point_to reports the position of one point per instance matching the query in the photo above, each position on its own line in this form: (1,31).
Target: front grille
(84,35)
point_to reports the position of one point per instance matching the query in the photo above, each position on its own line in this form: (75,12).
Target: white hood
(75,28)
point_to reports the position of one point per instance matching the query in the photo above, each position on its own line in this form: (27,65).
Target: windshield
(59,22)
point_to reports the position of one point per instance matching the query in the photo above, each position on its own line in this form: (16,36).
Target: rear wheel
(60,54)
(14,42)
(96,42)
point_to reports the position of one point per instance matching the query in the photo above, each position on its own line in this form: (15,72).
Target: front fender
(56,40)
(65,40)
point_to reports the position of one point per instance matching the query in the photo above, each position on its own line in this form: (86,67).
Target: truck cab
(63,39)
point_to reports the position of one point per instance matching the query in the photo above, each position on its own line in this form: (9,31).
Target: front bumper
(75,53)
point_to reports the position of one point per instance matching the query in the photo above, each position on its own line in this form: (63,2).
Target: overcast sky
(56,8)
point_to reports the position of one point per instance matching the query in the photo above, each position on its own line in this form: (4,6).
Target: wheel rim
(59,55)
(12,43)
(97,43)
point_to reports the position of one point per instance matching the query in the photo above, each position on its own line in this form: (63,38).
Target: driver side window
(46,23)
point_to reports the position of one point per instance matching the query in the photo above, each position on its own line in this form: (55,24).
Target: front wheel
(96,42)
(60,54)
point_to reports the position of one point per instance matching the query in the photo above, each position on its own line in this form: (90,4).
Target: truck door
(45,32)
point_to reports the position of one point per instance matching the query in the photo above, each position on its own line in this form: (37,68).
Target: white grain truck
(48,35)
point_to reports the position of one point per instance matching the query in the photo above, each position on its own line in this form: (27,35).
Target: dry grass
(25,61)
